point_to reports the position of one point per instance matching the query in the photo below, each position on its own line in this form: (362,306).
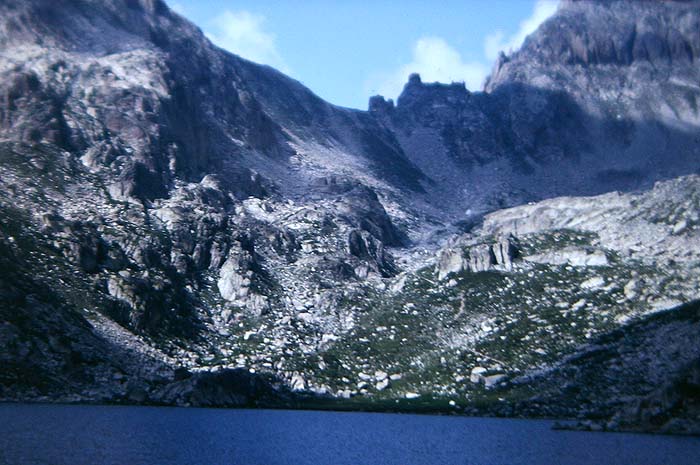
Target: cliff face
(603,96)
(168,209)
(615,33)
(137,91)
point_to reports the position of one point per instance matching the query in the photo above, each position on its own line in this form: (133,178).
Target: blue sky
(347,51)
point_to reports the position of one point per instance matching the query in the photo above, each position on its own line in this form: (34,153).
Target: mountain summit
(603,96)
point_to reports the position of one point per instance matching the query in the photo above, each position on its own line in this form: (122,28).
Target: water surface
(69,434)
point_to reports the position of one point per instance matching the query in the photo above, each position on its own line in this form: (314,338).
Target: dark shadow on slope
(553,146)
(36,267)
(642,376)
(51,352)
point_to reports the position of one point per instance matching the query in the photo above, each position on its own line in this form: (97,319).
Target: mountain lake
(82,434)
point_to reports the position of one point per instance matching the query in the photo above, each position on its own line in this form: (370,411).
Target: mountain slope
(136,89)
(182,226)
(603,96)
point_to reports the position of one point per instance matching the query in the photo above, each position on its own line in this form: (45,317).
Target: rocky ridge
(602,97)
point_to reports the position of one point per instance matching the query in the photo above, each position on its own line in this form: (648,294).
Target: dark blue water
(62,434)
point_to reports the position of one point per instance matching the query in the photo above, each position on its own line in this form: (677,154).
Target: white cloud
(242,33)
(179,8)
(435,60)
(497,41)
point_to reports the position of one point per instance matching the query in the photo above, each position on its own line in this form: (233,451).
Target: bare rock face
(476,258)
(539,128)
(365,211)
(451,260)
(582,34)
(633,225)
(571,256)
(481,258)
(505,250)
(241,277)
(363,245)
(235,277)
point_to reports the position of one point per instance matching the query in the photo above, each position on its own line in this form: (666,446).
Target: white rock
(298,383)
(491,381)
(477,374)
(399,284)
(232,283)
(571,256)
(451,260)
(383,384)
(306,317)
(319,389)
(593,283)
(631,289)
(680,227)
(412,395)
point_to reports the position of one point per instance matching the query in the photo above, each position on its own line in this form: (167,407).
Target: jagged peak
(417,90)
(611,32)
(414,78)
(378,104)
(93,26)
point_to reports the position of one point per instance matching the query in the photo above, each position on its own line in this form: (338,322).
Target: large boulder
(574,256)
(367,248)
(239,277)
(451,260)
(479,257)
